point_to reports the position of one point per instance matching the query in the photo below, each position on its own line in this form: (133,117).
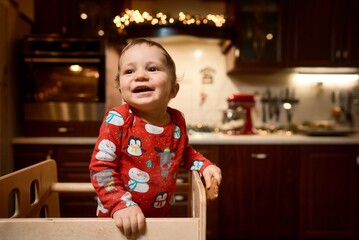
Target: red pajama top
(134,162)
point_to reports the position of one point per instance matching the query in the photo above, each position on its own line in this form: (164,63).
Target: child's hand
(130,221)
(209,172)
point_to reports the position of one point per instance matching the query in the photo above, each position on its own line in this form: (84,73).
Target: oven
(64,81)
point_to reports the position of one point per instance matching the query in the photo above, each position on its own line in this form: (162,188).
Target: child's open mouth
(142,89)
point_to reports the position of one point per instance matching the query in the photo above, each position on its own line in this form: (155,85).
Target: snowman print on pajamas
(100,207)
(105,179)
(128,199)
(114,118)
(106,151)
(138,180)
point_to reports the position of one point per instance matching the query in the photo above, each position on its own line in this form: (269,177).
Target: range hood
(205,31)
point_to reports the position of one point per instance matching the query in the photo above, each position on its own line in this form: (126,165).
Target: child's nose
(141,75)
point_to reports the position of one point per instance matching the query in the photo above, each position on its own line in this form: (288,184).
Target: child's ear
(174,90)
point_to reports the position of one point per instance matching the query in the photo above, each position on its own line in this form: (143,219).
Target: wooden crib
(29,209)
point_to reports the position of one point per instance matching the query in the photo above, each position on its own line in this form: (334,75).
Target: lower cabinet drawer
(78,205)
(181,206)
(60,129)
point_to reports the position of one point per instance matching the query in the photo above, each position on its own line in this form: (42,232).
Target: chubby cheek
(123,86)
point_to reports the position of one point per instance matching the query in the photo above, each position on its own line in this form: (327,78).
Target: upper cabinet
(259,41)
(76,18)
(324,33)
(55,17)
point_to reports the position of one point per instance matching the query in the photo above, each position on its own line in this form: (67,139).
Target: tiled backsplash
(203,102)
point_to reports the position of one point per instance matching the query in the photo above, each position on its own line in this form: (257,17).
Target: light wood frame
(26,223)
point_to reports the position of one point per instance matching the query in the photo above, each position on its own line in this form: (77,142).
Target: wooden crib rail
(26,224)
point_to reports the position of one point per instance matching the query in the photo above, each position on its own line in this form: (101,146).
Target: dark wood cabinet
(274,35)
(212,153)
(289,191)
(181,207)
(259,45)
(55,16)
(72,166)
(329,192)
(60,128)
(267,191)
(26,155)
(258,196)
(324,33)
(80,18)
(72,160)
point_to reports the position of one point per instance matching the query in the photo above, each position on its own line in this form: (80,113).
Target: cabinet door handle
(237,53)
(259,155)
(357,161)
(49,154)
(180,180)
(345,54)
(180,198)
(62,130)
(338,54)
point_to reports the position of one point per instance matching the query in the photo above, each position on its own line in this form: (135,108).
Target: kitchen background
(204,102)
(208,68)
(302,52)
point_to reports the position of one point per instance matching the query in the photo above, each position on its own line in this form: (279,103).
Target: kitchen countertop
(211,139)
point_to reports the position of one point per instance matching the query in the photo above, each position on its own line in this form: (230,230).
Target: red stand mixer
(246,101)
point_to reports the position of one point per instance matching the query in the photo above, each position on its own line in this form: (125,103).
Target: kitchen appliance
(243,103)
(64,80)
(233,121)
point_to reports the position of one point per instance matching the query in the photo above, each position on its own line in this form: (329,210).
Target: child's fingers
(212,190)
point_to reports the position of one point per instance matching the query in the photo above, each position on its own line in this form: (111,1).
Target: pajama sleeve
(195,161)
(104,167)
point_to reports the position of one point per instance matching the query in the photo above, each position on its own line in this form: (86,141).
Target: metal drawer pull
(49,154)
(179,198)
(338,54)
(180,180)
(62,129)
(259,155)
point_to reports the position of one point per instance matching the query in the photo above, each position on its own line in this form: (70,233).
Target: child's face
(144,78)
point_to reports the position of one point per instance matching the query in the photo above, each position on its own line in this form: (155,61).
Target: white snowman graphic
(128,199)
(100,207)
(138,181)
(106,151)
(114,118)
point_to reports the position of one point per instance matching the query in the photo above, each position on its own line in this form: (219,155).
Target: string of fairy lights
(135,17)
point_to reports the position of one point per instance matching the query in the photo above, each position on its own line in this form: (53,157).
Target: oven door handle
(63,60)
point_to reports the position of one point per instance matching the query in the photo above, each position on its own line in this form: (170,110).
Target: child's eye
(129,71)
(152,69)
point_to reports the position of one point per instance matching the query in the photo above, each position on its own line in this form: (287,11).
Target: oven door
(64,80)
